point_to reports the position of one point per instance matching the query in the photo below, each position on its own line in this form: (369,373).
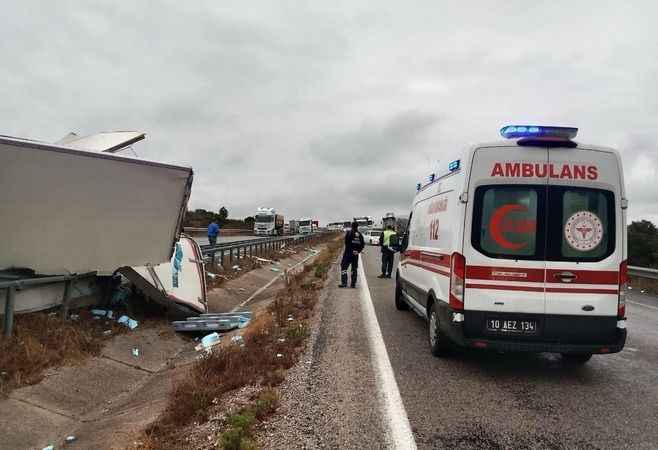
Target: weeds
(42,341)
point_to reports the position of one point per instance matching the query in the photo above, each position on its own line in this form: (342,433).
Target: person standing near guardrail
(213,232)
(354,244)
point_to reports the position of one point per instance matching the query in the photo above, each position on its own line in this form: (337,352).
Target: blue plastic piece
(454,165)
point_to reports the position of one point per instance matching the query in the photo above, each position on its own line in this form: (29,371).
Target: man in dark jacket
(353,246)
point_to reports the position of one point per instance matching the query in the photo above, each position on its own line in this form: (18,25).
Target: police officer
(353,246)
(385,241)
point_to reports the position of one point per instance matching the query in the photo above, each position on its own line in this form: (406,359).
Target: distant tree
(643,244)
(249,221)
(223,214)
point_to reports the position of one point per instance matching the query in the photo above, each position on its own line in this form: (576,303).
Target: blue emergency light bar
(453,165)
(538,131)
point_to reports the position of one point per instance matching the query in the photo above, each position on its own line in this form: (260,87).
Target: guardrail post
(221,261)
(66,297)
(9,311)
(251,251)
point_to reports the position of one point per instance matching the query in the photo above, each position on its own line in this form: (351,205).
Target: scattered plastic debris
(107,332)
(281,340)
(242,289)
(135,352)
(279,355)
(210,339)
(99,312)
(630,288)
(74,317)
(70,439)
(290,319)
(238,340)
(642,291)
(236,267)
(110,314)
(127,321)
(211,275)
(262,259)
(274,269)
(50,447)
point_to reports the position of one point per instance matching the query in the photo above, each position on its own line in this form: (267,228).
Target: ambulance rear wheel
(400,304)
(439,343)
(576,359)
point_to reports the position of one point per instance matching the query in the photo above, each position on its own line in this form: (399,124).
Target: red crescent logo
(494,225)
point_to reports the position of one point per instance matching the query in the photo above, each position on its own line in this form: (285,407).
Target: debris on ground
(135,352)
(49,447)
(127,321)
(208,341)
(99,312)
(238,340)
(70,439)
(213,322)
(274,269)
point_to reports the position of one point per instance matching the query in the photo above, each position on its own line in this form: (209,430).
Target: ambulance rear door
(585,233)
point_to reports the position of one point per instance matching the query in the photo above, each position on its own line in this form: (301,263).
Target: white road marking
(642,304)
(399,434)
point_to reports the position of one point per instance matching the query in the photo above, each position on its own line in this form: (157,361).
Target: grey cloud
(374,144)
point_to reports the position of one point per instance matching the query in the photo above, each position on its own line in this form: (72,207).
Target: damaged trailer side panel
(73,211)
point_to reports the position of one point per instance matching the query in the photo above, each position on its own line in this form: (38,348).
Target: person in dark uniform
(354,244)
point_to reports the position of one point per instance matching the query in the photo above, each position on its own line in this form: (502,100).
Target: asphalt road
(477,399)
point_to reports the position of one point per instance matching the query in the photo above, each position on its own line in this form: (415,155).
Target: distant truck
(305,225)
(294,227)
(267,222)
(365,222)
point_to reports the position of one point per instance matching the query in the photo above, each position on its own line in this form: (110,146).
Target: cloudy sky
(332,109)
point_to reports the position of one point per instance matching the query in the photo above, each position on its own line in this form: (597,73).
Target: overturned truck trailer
(71,210)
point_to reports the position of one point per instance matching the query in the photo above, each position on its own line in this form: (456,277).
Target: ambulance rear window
(581,224)
(506,221)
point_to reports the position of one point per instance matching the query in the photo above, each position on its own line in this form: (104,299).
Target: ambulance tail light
(623,286)
(457,280)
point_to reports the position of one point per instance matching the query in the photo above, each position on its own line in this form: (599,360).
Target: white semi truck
(305,225)
(267,222)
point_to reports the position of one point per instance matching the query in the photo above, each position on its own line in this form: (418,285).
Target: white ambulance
(521,246)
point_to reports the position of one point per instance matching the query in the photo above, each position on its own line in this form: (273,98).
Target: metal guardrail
(251,247)
(22,283)
(643,272)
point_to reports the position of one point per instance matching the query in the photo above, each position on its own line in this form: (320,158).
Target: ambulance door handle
(565,277)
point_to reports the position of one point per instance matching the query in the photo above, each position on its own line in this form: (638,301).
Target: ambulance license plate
(515,326)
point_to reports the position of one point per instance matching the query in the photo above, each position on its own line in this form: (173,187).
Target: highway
(487,400)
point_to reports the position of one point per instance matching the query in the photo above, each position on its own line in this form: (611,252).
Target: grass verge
(44,340)
(273,342)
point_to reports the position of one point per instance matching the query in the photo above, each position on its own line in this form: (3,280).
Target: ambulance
(520,246)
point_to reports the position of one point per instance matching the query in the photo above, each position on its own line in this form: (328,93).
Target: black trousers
(387,262)
(348,260)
